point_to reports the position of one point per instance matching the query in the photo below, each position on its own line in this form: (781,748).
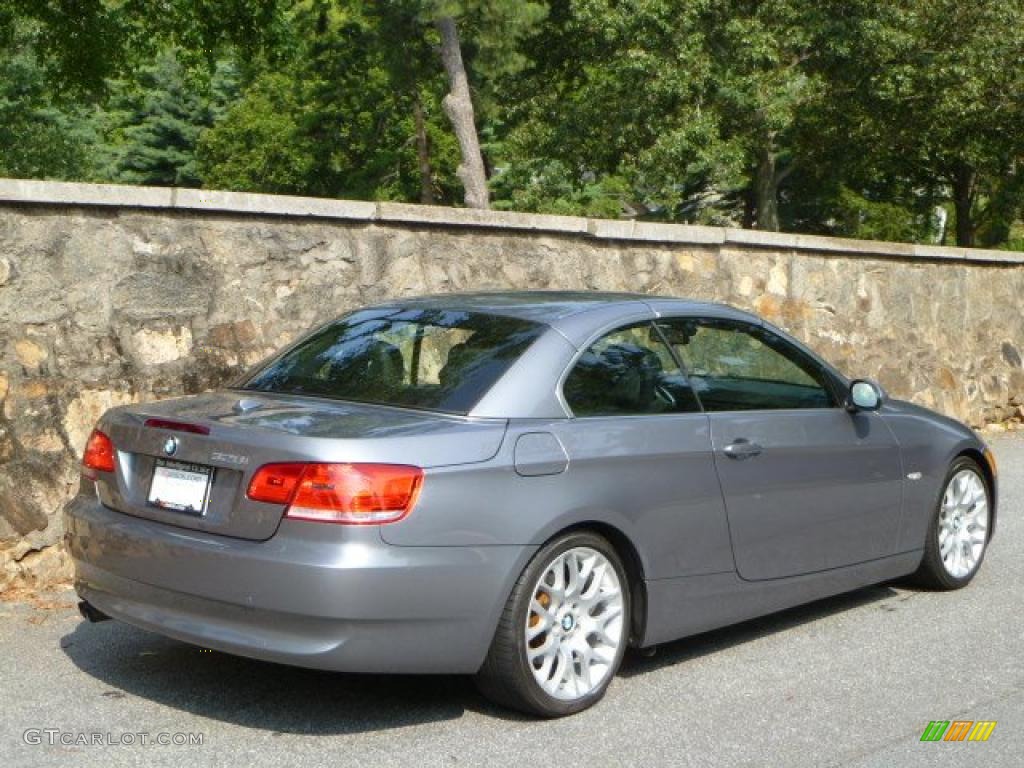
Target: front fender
(929,442)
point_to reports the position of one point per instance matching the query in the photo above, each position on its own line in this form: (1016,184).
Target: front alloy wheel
(963,523)
(564,630)
(959,531)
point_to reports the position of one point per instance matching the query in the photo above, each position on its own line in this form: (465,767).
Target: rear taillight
(275,483)
(354,494)
(99,454)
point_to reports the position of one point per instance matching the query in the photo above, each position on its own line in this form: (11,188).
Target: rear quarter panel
(651,478)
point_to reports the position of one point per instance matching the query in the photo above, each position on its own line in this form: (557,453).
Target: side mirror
(864,396)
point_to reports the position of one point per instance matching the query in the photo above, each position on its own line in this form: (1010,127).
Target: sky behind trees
(894,119)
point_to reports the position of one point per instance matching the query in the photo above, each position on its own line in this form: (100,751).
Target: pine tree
(155,123)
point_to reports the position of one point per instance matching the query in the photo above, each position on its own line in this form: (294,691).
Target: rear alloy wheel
(564,630)
(959,530)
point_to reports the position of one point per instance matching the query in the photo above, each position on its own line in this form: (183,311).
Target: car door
(639,451)
(808,485)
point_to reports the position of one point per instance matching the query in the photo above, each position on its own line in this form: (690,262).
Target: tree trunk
(458,105)
(963,200)
(767,191)
(423,154)
(749,208)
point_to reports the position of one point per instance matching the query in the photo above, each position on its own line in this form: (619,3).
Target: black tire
(932,573)
(505,677)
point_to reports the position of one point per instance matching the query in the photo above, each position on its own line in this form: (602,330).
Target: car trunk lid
(226,436)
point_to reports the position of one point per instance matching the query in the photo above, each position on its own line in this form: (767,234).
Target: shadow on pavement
(257,694)
(265,696)
(716,640)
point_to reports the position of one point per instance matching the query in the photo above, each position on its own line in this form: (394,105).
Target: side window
(628,372)
(734,366)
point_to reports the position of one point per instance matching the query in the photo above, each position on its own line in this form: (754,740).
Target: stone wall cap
(408,213)
(627,229)
(78,193)
(123,196)
(273,205)
(63,193)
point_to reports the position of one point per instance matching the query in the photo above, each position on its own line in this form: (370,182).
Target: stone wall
(113,295)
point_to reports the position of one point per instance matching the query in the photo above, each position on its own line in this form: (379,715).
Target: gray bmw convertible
(518,486)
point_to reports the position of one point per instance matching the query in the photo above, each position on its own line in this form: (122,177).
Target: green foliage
(860,118)
(1015,238)
(81,40)
(40,136)
(930,94)
(601,98)
(493,28)
(549,187)
(154,122)
(258,146)
(338,118)
(681,99)
(867,219)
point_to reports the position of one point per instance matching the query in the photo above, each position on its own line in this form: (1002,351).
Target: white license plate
(180,486)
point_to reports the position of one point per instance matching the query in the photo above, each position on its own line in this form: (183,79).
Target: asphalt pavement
(849,681)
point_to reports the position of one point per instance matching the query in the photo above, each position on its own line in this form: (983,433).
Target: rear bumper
(314,595)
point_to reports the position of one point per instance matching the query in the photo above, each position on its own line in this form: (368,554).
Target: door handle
(741,449)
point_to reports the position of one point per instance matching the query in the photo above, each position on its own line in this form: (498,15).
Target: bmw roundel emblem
(171,446)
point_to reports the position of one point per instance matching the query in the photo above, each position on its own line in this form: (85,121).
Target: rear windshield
(439,360)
